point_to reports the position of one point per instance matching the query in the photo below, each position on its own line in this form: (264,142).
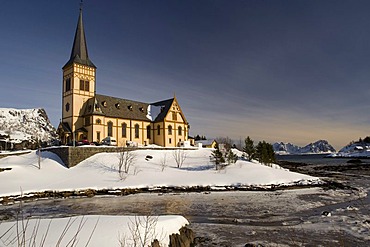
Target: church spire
(79,52)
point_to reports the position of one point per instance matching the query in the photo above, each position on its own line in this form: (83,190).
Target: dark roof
(65,127)
(166,107)
(79,52)
(123,108)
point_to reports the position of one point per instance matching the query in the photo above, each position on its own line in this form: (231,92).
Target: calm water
(316,159)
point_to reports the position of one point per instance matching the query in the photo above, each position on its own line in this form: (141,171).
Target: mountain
(285,148)
(24,126)
(321,146)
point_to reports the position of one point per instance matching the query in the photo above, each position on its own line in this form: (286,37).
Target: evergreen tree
(217,155)
(249,149)
(231,157)
(265,153)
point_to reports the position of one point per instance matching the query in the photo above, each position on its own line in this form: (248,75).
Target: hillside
(318,147)
(24,126)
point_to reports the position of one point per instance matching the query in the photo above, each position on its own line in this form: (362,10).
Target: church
(93,117)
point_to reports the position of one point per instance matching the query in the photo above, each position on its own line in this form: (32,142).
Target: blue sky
(294,71)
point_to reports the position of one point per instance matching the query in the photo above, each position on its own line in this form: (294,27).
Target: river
(286,217)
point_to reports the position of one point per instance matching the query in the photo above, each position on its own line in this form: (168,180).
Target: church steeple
(79,52)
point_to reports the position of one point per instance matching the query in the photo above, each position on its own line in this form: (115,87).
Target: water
(315,159)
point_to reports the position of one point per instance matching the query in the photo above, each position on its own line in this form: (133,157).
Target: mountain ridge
(318,147)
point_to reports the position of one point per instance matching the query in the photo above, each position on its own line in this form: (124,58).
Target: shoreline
(88,193)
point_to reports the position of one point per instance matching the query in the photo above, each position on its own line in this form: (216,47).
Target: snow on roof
(153,112)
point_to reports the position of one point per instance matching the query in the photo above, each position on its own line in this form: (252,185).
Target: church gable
(175,113)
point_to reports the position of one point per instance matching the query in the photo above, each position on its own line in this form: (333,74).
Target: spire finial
(81,4)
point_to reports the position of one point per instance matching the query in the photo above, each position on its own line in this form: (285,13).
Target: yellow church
(93,117)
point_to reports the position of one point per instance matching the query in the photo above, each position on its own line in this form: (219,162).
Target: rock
(326,213)
(184,239)
(155,243)
(253,245)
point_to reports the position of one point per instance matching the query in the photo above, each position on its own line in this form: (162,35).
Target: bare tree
(142,232)
(126,159)
(163,161)
(179,155)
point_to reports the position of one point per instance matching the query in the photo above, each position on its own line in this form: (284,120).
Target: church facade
(93,117)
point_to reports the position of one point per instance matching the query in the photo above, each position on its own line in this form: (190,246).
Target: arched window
(158,129)
(137,131)
(110,128)
(98,121)
(170,129)
(124,127)
(180,130)
(148,130)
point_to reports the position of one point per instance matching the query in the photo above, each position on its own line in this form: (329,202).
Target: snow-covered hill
(321,146)
(25,125)
(355,150)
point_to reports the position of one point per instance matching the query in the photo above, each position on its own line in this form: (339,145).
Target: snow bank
(160,170)
(104,230)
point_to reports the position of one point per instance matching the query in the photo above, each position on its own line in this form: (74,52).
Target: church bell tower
(78,87)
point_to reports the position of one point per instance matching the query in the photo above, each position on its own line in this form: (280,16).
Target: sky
(279,70)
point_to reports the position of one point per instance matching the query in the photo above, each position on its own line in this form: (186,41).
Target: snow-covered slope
(321,146)
(354,149)
(18,125)
(92,230)
(101,172)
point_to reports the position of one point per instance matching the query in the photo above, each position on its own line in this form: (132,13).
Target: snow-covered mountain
(285,148)
(25,125)
(321,146)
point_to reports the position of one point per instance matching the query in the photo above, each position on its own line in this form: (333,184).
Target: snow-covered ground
(100,172)
(91,230)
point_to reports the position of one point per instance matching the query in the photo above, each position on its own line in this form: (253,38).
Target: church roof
(125,109)
(79,52)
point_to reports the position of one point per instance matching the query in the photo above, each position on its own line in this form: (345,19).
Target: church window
(84,85)
(68,84)
(87,86)
(98,136)
(158,129)
(98,121)
(124,128)
(169,140)
(137,132)
(67,107)
(170,129)
(180,130)
(174,116)
(110,128)
(148,130)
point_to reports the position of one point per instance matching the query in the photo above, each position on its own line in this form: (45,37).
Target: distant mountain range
(321,146)
(25,125)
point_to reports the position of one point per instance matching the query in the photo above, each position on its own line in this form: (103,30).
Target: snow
(104,230)
(100,172)
(25,124)
(153,112)
(318,147)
